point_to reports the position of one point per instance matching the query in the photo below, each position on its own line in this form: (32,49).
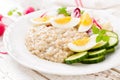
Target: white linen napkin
(96,4)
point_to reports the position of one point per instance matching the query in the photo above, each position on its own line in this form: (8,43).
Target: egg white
(40,22)
(72,23)
(83,28)
(50,14)
(88,46)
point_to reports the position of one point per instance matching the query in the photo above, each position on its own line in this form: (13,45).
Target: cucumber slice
(76,57)
(111,50)
(100,45)
(96,53)
(112,42)
(111,34)
(93,60)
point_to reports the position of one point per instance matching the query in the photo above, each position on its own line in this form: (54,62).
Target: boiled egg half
(85,22)
(41,20)
(65,22)
(83,44)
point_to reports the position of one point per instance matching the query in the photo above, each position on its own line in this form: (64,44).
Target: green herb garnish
(14,10)
(95,30)
(11,12)
(82,11)
(106,38)
(101,34)
(63,11)
(19,13)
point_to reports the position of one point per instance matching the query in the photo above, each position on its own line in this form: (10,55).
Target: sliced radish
(1,16)
(44,14)
(2,28)
(89,32)
(77,13)
(3,53)
(96,23)
(29,10)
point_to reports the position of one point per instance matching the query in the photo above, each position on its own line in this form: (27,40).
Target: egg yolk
(81,42)
(86,20)
(63,20)
(42,19)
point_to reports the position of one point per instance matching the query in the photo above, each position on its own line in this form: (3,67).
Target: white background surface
(11,70)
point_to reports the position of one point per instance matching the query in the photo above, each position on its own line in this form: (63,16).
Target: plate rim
(6,41)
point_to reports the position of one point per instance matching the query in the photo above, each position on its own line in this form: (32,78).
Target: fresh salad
(101,41)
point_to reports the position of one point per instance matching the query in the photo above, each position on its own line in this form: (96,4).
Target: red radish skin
(96,23)
(44,14)
(29,10)
(77,13)
(2,28)
(89,32)
(3,53)
(1,16)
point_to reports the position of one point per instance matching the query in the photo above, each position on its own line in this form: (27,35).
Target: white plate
(14,40)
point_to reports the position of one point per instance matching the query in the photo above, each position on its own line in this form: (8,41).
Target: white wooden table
(11,70)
